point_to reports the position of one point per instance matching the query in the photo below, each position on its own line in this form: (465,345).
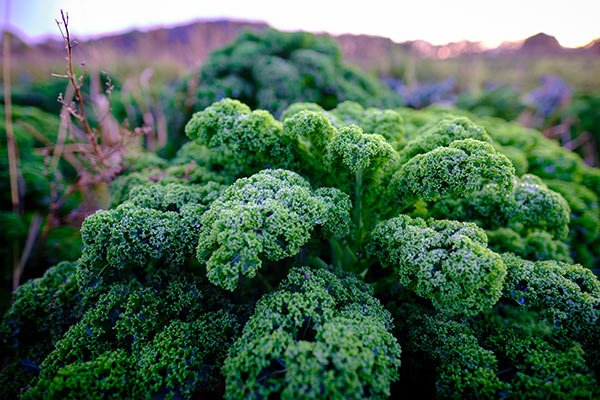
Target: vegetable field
(295,231)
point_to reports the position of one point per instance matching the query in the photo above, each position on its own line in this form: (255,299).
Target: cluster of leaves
(128,319)
(272,69)
(161,338)
(321,335)
(539,340)
(552,212)
(292,258)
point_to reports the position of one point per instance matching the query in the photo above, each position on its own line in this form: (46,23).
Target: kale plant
(344,253)
(272,69)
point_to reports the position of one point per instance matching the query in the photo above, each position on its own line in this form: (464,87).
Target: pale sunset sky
(573,23)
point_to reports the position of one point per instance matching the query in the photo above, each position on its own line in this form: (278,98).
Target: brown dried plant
(95,161)
(96,153)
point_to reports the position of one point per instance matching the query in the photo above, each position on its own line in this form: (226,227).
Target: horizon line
(147,28)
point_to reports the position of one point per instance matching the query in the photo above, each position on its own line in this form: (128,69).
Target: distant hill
(188,45)
(593,47)
(541,44)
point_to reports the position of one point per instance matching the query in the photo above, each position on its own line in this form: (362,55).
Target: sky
(574,23)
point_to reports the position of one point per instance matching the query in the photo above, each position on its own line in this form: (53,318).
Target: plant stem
(13,161)
(34,228)
(411,202)
(317,262)
(358,204)
(77,86)
(342,254)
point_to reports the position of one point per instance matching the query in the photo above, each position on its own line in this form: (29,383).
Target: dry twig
(13,160)
(77,83)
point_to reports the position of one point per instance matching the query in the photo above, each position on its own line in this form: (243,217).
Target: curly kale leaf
(321,335)
(295,108)
(186,173)
(248,141)
(158,226)
(445,261)
(357,151)
(529,206)
(459,169)
(464,369)
(313,130)
(567,295)
(131,235)
(443,134)
(505,353)
(536,245)
(268,216)
(162,338)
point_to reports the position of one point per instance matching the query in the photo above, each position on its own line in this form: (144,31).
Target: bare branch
(77,86)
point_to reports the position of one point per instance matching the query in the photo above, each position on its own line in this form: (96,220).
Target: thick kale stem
(406,205)
(317,262)
(342,255)
(337,254)
(358,222)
